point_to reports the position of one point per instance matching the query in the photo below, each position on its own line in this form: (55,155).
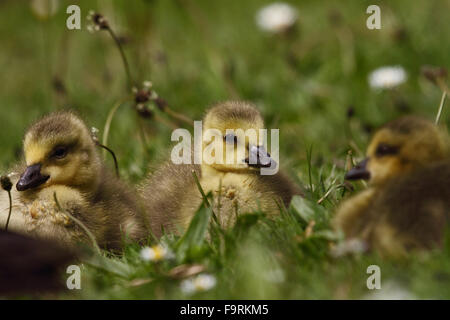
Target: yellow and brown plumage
(407,203)
(171,194)
(61,158)
(31,266)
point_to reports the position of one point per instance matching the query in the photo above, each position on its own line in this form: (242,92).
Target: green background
(201,52)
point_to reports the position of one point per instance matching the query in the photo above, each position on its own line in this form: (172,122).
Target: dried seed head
(350,112)
(94,134)
(161,103)
(335,17)
(142,96)
(400,34)
(144,111)
(99,22)
(434,73)
(6,183)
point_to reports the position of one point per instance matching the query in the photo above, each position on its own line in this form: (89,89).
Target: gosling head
(232,136)
(59,150)
(399,147)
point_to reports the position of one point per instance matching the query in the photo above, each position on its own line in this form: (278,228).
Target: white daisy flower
(387,77)
(44,9)
(349,247)
(276,17)
(391,290)
(275,276)
(156,253)
(200,283)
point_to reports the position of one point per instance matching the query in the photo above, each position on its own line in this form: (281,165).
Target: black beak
(31,178)
(359,171)
(259,158)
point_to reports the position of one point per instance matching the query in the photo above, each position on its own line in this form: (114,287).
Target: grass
(199,52)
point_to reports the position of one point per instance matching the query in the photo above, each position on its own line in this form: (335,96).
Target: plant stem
(124,58)
(116,164)
(109,119)
(142,133)
(205,198)
(441,106)
(81,224)
(165,122)
(178,116)
(308,156)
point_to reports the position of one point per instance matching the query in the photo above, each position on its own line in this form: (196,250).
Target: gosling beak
(359,171)
(259,158)
(31,178)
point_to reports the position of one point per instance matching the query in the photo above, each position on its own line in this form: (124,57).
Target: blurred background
(309,67)
(310,79)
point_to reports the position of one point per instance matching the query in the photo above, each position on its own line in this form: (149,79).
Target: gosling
(407,203)
(172,196)
(31,266)
(64,176)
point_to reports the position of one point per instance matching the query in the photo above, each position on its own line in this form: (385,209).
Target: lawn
(310,82)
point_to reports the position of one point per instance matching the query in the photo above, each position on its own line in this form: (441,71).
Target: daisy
(44,9)
(200,283)
(276,17)
(387,77)
(156,253)
(349,247)
(390,291)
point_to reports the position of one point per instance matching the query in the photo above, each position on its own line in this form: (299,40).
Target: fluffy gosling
(172,196)
(407,203)
(61,158)
(31,266)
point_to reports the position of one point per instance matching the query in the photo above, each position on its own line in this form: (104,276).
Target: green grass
(200,52)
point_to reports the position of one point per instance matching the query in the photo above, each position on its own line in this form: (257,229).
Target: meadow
(310,82)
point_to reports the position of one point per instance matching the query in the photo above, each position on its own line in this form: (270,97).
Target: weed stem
(81,224)
(116,164)
(109,119)
(441,106)
(124,58)
(205,198)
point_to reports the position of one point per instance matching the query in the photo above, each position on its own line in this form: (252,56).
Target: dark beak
(31,178)
(259,158)
(359,172)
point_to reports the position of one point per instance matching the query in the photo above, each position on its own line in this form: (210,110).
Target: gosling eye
(59,152)
(384,149)
(230,138)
